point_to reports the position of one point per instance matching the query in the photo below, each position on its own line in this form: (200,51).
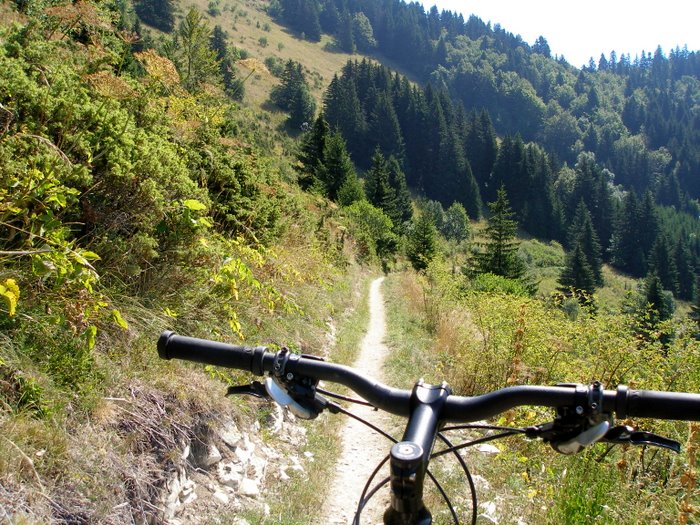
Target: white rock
(231,435)
(211,457)
(250,488)
(481,482)
(486,448)
(229,474)
(188,487)
(295,464)
(489,511)
(243,454)
(222,497)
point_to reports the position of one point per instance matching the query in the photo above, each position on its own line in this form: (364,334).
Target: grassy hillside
(129,206)
(479,342)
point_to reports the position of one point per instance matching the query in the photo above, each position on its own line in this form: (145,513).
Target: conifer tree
(337,165)
(397,180)
(195,60)
(311,153)
(663,264)
(421,246)
(346,37)
(157,13)
(577,274)
(695,307)
(500,255)
(379,192)
(293,95)
(582,235)
(626,250)
(481,147)
(686,272)
(384,129)
(659,306)
(219,43)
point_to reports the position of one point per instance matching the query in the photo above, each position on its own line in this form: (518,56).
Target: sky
(580,30)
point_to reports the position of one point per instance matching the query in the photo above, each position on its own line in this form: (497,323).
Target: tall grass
(484,341)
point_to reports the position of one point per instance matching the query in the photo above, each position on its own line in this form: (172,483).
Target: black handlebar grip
(663,405)
(173,346)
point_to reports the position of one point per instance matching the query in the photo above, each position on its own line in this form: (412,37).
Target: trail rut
(362,449)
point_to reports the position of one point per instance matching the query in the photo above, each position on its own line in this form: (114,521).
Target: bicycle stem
(410,457)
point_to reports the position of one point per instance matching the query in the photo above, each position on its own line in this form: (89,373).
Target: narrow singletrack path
(362,449)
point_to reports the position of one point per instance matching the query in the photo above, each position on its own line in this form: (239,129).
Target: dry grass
(246,20)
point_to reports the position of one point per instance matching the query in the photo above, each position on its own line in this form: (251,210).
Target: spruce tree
(346,37)
(157,13)
(422,243)
(500,255)
(384,129)
(577,277)
(659,306)
(311,153)
(582,234)
(397,180)
(686,272)
(337,165)
(196,62)
(379,192)
(663,264)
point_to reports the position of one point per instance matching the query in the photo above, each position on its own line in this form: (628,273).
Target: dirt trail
(362,449)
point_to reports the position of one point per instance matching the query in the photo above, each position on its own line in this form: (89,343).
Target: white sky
(582,29)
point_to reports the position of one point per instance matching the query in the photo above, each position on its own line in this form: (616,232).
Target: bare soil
(363,449)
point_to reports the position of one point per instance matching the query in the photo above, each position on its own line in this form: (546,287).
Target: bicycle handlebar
(623,402)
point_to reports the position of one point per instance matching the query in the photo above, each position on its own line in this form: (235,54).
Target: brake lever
(255,389)
(626,435)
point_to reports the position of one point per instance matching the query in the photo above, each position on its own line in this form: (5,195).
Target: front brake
(626,435)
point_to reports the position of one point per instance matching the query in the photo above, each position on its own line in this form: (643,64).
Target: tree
(293,95)
(302,109)
(379,192)
(219,43)
(422,243)
(157,13)
(663,264)
(541,46)
(456,227)
(582,235)
(397,180)
(500,255)
(372,230)
(659,305)
(363,33)
(337,165)
(312,151)
(196,61)
(346,38)
(686,272)
(384,129)
(577,277)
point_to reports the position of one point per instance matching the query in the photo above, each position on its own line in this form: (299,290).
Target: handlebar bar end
(163,344)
